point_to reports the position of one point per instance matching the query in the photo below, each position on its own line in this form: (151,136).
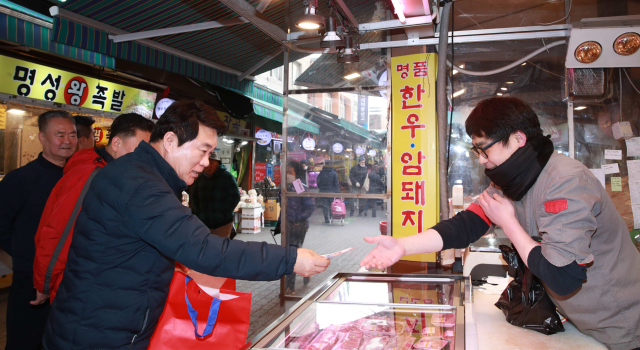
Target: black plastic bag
(524,302)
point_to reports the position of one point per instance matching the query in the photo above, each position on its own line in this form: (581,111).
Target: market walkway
(322,238)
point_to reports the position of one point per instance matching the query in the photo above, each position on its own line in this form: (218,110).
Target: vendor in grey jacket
(585,256)
(133,228)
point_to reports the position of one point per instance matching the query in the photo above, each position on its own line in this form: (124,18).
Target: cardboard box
(251,220)
(271,211)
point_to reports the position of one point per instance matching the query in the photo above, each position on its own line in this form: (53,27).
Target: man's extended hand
(387,253)
(309,263)
(497,208)
(40,298)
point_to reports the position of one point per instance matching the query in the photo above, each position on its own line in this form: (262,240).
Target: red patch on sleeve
(477,209)
(556,206)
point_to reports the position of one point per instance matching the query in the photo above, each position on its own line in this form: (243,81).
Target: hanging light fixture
(349,54)
(351,71)
(627,44)
(331,38)
(310,20)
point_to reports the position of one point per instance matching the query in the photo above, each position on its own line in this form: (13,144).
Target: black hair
(126,125)
(184,118)
(297,168)
(83,125)
(497,118)
(44,118)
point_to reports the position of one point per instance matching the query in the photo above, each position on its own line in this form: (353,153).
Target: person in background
(328,183)
(127,130)
(23,194)
(305,172)
(357,175)
(375,186)
(133,229)
(84,126)
(299,210)
(556,213)
(213,197)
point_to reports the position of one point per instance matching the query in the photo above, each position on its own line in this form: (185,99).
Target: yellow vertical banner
(415,201)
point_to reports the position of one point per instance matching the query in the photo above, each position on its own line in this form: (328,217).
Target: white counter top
(493,332)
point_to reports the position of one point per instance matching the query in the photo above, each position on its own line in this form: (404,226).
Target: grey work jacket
(591,232)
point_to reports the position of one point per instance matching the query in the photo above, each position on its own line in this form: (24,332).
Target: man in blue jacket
(133,228)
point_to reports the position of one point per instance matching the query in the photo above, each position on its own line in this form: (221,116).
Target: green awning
(274,117)
(29,34)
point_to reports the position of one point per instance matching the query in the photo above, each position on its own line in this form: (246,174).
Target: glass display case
(374,312)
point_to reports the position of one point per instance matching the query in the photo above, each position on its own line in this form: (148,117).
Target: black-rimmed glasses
(482,150)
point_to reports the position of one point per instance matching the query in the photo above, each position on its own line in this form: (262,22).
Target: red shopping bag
(192,319)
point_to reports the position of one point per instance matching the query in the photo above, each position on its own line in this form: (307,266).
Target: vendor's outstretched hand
(309,263)
(387,253)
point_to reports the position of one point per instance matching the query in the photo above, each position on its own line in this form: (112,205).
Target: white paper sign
(633,147)
(636,216)
(309,144)
(633,166)
(613,154)
(610,168)
(162,106)
(359,151)
(634,188)
(372,153)
(599,174)
(264,136)
(297,184)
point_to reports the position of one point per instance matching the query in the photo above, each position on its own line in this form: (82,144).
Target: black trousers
(25,322)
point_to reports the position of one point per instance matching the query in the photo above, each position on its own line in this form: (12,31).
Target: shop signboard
(363,111)
(270,170)
(101,135)
(372,153)
(276,175)
(414,142)
(261,172)
(337,148)
(309,144)
(3,118)
(359,151)
(263,136)
(40,82)
(162,106)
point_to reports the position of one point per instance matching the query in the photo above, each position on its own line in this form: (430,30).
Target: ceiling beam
(246,10)
(395,24)
(177,30)
(56,11)
(345,11)
(262,62)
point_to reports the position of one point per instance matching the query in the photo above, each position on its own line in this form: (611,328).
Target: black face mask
(518,173)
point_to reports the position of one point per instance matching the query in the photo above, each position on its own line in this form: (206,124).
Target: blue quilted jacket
(128,236)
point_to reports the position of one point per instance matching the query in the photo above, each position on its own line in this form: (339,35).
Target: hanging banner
(414,143)
(260,172)
(32,80)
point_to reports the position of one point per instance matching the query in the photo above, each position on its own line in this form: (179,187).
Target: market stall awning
(274,113)
(21,32)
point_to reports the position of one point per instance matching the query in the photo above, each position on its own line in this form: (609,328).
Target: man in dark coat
(328,183)
(375,186)
(214,196)
(357,175)
(23,194)
(133,228)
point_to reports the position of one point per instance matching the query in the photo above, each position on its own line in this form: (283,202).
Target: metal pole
(441,97)
(253,159)
(283,152)
(572,136)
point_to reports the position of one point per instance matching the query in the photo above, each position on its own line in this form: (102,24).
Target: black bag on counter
(524,302)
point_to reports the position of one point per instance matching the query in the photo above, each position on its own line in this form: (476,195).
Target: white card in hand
(333,255)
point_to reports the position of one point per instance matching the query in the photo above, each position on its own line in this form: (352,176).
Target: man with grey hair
(23,194)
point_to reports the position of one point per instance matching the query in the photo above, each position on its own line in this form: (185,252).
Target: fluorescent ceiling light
(580,108)
(499,94)
(16,111)
(352,76)
(503,88)
(509,82)
(458,93)
(524,64)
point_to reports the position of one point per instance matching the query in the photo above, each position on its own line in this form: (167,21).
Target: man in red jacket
(127,131)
